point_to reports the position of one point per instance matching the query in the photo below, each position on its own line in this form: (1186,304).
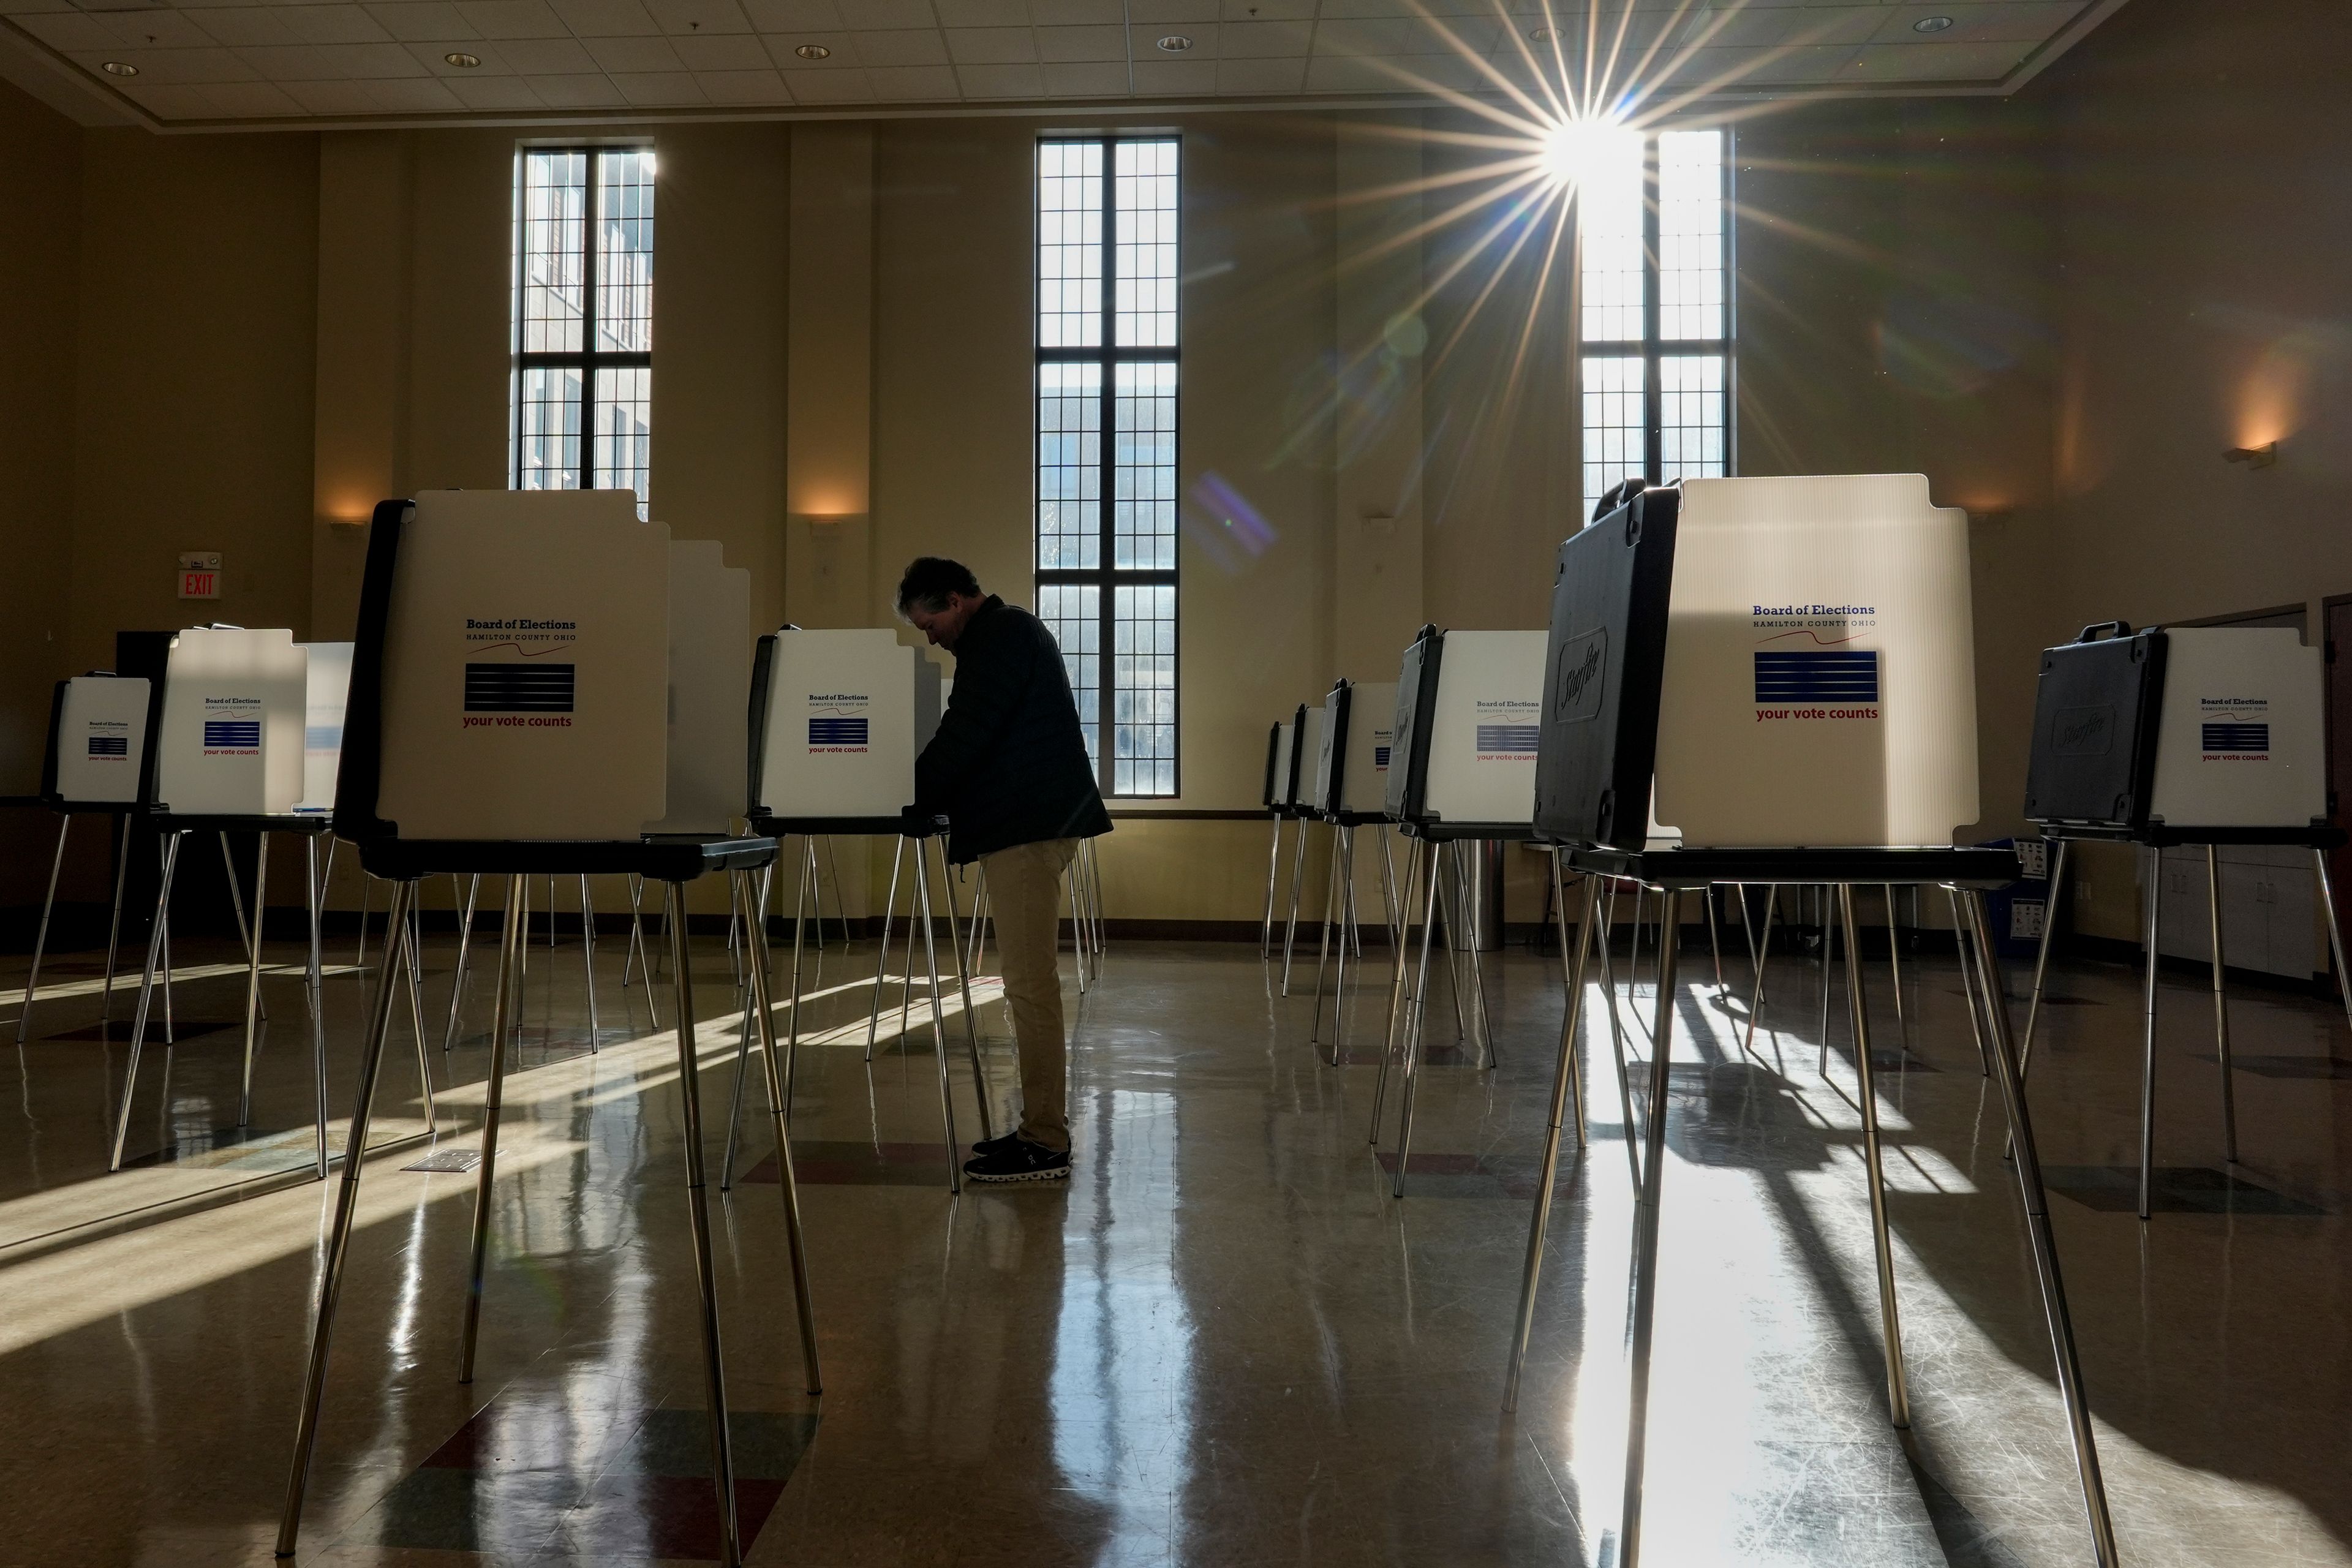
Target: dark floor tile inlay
(2177,1189)
(183,1030)
(861,1164)
(536,1477)
(2286,1067)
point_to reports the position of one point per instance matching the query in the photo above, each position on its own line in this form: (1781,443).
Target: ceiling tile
(1087,78)
(605,19)
(70,30)
(743,87)
(830,87)
(1360,37)
(250,100)
(332,25)
(171,103)
(2020,21)
(1271,11)
(1454,34)
(914,84)
(979,13)
(1260,76)
(657,89)
(782,55)
(176,68)
(1245,40)
(1948,62)
(292,62)
(512,19)
(1081,44)
(331,97)
(421,95)
(1347,75)
(705,16)
(547,56)
(32,7)
(705,52)
(244,26)
(1736,69)
(421,22)
(155,30)
(1077,13)
(904,47)
(579,90)
(1201,38)
(1341,10)
(817,15)
(991,46)
(1144,14)
(432,53)
(493,92)
(366,61)
(637,55)
(1002,81)
(1176,76)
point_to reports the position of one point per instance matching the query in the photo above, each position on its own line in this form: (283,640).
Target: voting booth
(2170,737)
(710,689)
(1466,733)
(1300,743)
(1351,769)
(510,716)
(1786,668)
(97,743)
(1277,798)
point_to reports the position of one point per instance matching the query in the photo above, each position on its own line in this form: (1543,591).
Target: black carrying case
(1298,745)
(1603,669)
(1331,792)
(2095,710)
(1273,751)
(1408,796)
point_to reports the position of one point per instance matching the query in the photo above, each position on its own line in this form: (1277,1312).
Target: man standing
(1008,768)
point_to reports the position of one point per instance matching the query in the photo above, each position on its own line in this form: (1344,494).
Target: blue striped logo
(1380,756)
(519,687)
(110,745)
(2237,737)
(234,735)
(1508,737)
(1831,677)
(836,731)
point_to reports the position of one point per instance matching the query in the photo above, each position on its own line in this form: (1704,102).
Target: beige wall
(2058,308)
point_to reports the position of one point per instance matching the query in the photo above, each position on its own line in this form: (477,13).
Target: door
(2338,612)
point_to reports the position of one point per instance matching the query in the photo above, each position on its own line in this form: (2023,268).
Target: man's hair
(929,579)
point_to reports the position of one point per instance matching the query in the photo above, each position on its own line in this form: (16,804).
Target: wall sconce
(2261,456)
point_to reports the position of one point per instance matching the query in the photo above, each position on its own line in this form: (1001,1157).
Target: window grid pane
(1073,613)
(1069,243)
(1143,476)
(1690,416)
(1106,514)
(625,252)
(1614,430)
(1144,177)
(1609,229)
(1143,682)
(624,414)
(555,221)
(548,429)
(1069,467)
(1690,235)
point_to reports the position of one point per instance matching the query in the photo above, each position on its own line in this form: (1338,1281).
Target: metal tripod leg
(2335,933)
(1828,957)
(1713,937)
(2041,957)
(938,1020)
(339,1235)
(113,929)
(1290,923)
(315,886)
(41,941)
(1323,948)
(802,900)
(1273,869)
(1617,1041)
(1417,1015)
(714,1371)
(1461,856)
(156,938)
(1763,955)
(465,947)
(2221,1009)
(1399,998)
(588,962)
(755,923)
(964,984)
(502,1028)
(1351,935)
(417,1004)
(2154,859)
(1645,1239)
(1967,985)
(1895,963)
(1564,1076)
(1898,1394)
(250,935)
(882,959)
(252,974)
(2045,1251)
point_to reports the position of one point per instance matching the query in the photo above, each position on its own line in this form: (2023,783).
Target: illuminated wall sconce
(2261,456)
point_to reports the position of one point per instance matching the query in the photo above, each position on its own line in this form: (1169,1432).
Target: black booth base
(846,827)
(2164,836)
(660,858)
(173,822)
(1699,868)
(1451,832)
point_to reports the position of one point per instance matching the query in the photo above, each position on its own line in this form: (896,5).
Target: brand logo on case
(1578,682)
(2082,732)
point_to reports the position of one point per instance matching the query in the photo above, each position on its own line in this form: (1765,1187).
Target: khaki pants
(1025,898)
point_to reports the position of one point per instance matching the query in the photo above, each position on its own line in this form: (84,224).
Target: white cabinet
(2268,907)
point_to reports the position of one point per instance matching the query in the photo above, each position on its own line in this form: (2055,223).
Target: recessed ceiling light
(1539,34)
(119,68)
(813,52)
(1175,42)
(461,59)
(1931,23)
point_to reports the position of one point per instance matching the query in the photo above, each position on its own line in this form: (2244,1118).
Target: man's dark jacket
(1009,763)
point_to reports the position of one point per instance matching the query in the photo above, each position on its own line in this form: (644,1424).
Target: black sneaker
(987,1148)
(1018,1160)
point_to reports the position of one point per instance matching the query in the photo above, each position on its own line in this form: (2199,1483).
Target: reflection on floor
(1223,1342)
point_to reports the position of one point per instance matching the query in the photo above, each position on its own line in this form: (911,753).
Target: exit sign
(200,575)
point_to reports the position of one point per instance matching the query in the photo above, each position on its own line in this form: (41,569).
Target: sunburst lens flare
(1583,152)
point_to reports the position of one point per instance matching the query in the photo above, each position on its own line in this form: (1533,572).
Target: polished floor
(1223,1341)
